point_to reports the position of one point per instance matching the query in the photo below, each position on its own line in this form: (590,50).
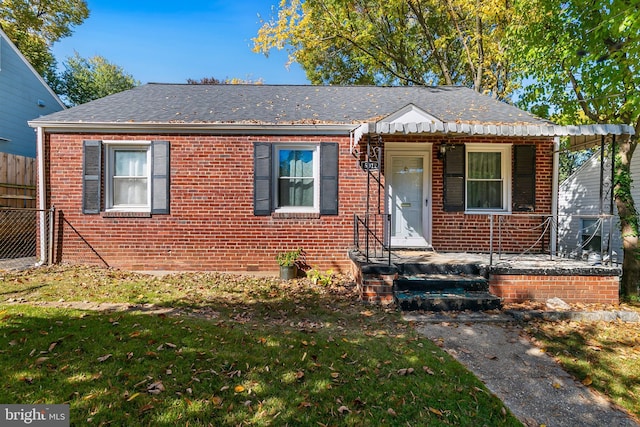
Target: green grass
(239,351)
(603,355)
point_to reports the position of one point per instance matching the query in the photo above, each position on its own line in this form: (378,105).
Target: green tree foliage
(582,59)
(394,42)
(87,79)
(34,25)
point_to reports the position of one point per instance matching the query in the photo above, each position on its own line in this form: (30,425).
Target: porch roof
(577,133)
(580,135)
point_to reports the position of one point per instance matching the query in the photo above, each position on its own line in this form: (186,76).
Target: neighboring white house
(24,96)
(585,223)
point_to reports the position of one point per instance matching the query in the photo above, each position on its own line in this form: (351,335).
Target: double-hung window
(292,178)
(488,177)
(297,178)
(128,178)
(481,178)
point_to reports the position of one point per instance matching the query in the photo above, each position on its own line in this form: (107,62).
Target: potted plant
(287,262)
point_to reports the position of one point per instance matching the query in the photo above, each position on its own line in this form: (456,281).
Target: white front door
(408,199)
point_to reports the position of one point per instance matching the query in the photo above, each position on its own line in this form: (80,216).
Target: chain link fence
(19,232)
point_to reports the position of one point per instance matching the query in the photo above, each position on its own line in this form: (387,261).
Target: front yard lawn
(603,355)
(235,351)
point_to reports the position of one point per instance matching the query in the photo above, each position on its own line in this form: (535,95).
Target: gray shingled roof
(278,105)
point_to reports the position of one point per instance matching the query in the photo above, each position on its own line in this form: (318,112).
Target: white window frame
(110,149)
(315,148)
(506,153)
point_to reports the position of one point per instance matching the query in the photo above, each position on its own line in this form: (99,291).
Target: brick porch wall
(572,289)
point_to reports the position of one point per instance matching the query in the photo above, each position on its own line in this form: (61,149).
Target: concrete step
(453,299)
(439,282)
(408,269)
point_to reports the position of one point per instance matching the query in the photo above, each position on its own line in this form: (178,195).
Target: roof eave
(221,128)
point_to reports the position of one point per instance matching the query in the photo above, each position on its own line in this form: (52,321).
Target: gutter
(42,203)
(204,128)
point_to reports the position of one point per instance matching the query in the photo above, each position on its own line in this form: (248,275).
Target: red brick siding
(460,232)
(212,226)
(572,289)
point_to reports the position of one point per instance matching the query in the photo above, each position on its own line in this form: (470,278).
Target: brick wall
(572,289)
(212,226)
(519,230)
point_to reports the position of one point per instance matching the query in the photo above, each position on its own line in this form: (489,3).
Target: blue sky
(171,41)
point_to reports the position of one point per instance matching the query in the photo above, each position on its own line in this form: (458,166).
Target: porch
(429,280)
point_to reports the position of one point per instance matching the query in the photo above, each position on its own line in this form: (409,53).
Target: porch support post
(554,195)
(611,198)
(601,205)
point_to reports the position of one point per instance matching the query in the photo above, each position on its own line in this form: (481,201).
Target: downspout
(554,192)
(42,203)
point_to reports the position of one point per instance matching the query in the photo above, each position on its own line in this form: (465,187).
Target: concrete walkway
(528,381)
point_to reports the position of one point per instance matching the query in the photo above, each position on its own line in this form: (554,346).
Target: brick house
(223,177)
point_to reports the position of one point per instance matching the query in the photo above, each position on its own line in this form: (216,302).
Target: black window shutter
(329,160)
(524,178)
(262,171)
(454,168)
(91,174)
(160,163)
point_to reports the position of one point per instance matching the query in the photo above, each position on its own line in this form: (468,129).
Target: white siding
(21,91)
(579,198)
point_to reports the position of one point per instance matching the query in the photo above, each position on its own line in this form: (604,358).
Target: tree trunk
(628,218)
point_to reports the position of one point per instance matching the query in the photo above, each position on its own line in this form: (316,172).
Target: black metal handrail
(375,241)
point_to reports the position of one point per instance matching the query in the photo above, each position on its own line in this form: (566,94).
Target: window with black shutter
(136,177)
(295,178)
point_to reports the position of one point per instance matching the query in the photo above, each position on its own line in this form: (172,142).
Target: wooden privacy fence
(17,181)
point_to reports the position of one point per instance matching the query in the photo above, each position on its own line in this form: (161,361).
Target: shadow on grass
(600,354)
(308,361)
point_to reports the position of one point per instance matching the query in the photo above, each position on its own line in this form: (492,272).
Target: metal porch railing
(504,226)
(372,236)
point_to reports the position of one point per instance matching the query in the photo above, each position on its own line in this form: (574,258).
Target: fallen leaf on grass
(41,360)
(238,389)
(435,411)
(405,371)
(155,388)
(587,380)
(133,396)
(105,357)
(343,409)
(28,380)
(391,412)
(428,370)
(145,408)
